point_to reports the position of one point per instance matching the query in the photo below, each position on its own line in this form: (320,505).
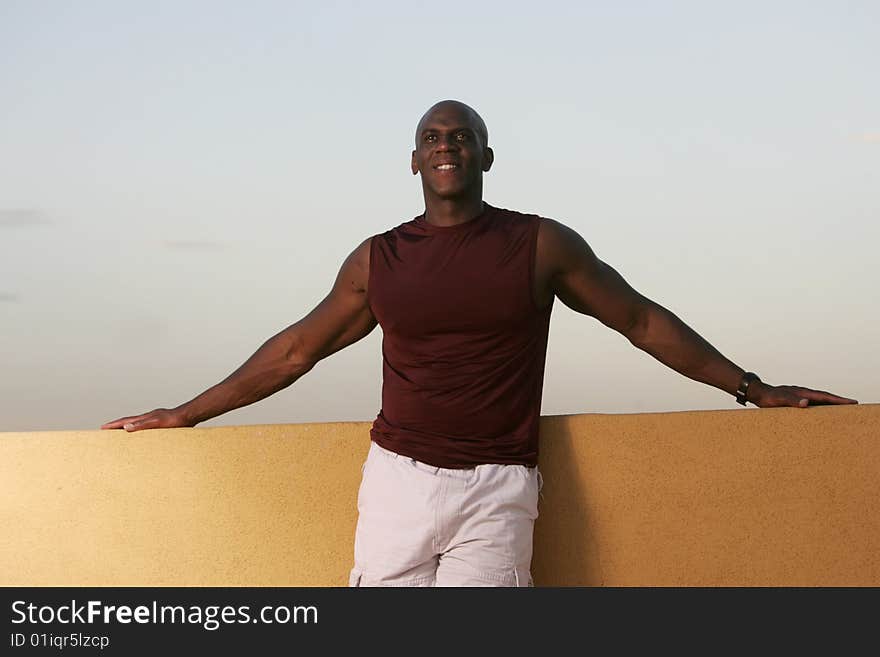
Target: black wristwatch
(743,389)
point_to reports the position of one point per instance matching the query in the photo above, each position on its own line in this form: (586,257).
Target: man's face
(449,152)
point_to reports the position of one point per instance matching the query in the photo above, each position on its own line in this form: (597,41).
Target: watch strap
(742,391)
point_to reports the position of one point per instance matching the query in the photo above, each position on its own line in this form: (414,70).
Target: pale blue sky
(181,180)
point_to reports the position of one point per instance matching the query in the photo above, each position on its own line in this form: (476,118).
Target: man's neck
(451,212)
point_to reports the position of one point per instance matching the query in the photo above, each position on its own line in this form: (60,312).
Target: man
(463,294)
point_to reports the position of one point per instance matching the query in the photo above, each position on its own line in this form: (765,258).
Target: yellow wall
(741,497)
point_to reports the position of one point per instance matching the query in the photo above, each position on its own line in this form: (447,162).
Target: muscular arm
(342,318)
(568,268)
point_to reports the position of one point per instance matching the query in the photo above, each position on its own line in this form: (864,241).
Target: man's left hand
(766,396)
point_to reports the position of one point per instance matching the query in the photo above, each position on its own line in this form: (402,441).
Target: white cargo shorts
(420,525)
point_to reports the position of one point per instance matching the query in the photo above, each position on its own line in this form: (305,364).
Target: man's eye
(462,136)
(430,138)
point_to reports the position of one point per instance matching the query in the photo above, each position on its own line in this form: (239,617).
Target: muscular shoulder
(559,251)
(560,248)
(355,271)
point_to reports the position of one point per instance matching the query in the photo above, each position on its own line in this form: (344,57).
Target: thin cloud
(193,245)
(18,217)
(9,298)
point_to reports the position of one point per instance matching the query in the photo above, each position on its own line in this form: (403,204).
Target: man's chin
(458,192)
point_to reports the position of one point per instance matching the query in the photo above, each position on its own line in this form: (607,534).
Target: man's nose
(446,143)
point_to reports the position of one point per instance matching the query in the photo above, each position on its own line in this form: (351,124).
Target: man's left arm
(592,287)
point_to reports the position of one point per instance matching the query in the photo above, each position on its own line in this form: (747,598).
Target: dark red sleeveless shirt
(464,343)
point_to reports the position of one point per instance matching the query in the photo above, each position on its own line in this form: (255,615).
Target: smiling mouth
(446,167)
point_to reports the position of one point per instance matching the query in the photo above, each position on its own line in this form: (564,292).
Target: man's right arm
(342,318)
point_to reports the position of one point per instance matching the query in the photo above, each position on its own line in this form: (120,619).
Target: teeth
(445,167)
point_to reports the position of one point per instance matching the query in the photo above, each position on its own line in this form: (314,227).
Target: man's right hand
(161,418)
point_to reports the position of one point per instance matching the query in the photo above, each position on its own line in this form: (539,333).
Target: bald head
(452,153)
(476,121)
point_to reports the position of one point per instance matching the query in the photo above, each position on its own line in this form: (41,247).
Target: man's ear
(488,158)
(413,165)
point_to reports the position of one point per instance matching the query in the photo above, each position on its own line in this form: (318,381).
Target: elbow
(298,364)
(296,367)
(297,359)
(637,328)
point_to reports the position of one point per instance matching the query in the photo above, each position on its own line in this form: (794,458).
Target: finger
(834,399)
(118,424)
(151,421)
(822,398)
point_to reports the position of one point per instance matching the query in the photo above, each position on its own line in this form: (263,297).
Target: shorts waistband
(455,473)
(458,473)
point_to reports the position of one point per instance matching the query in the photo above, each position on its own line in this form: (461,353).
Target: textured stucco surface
(743,497)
